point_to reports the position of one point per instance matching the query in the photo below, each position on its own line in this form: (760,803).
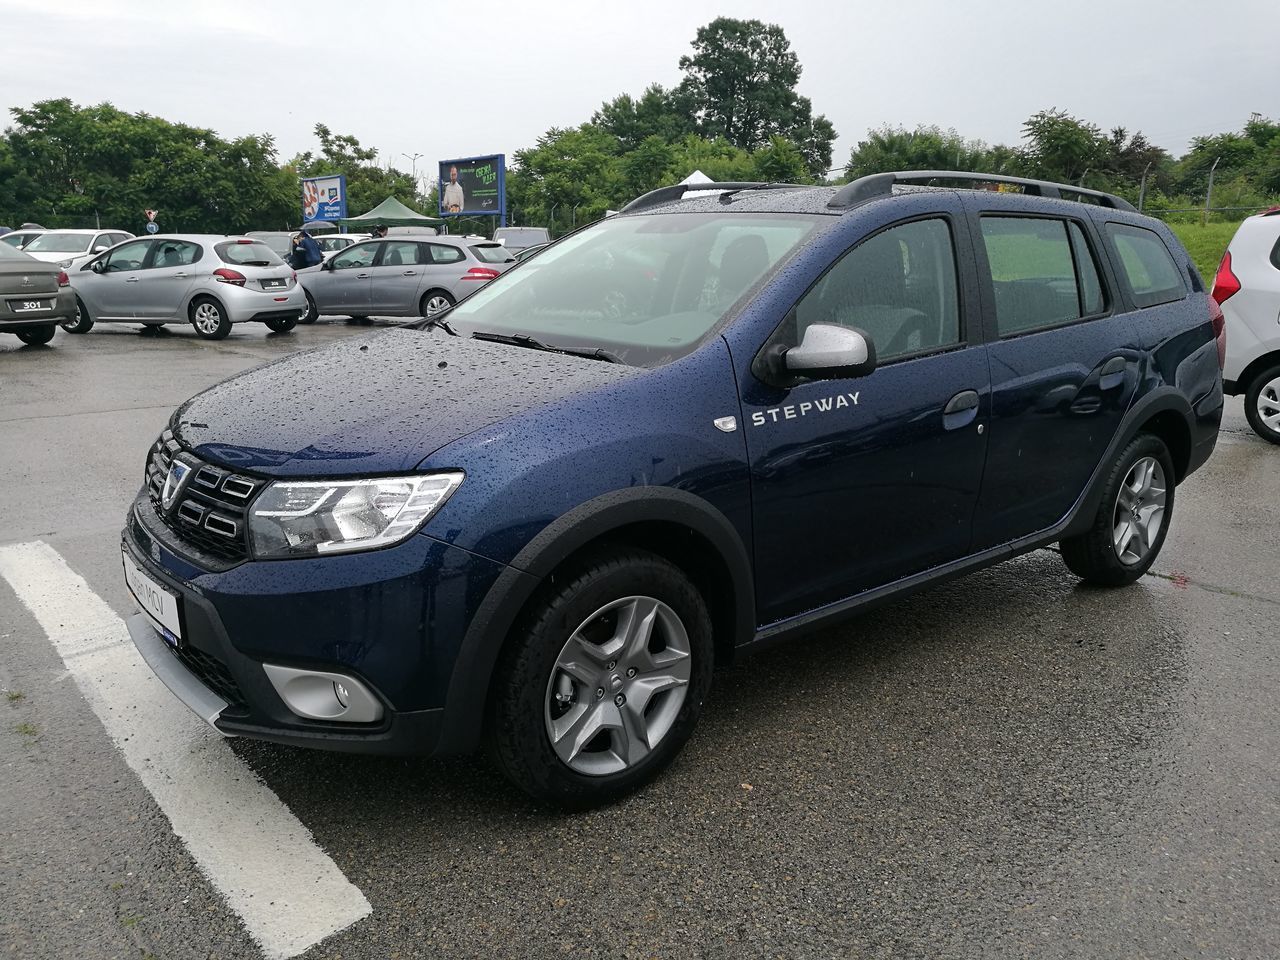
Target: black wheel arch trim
(466,701)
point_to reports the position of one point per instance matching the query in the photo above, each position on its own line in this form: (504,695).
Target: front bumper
(64,309)
(394,619)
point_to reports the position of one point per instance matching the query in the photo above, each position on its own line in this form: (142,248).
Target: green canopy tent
(394,214)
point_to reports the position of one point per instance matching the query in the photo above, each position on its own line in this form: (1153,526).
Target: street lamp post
(414,160)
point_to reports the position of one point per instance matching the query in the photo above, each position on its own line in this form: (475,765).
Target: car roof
(77,230)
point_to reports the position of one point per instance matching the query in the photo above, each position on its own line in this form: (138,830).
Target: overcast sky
(462,79)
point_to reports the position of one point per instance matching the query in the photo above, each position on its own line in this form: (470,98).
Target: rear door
(396,279)
(1064,361)
(112,293)
(345,286)
(446,265)
(162,290)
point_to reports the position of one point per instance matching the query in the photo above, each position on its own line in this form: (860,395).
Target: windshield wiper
(524,340)
(430,323)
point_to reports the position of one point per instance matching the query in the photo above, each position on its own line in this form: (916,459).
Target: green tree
(740,84)
(1059,147)
(71,166)
(657,113)
(925,148)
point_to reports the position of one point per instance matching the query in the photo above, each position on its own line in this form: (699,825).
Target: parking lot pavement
(1009,765)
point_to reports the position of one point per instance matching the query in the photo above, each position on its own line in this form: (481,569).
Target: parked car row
(214,281)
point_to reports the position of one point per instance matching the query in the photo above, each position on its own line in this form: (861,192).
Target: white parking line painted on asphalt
(266,864)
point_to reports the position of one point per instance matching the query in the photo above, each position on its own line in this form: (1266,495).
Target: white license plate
(155,601)
(30,306)
(272,284)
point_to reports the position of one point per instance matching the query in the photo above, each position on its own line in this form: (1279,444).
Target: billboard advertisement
(324,198)
(474,186)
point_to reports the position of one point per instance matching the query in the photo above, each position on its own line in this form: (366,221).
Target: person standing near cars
(305,251)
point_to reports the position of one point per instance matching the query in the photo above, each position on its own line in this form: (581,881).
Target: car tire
(35,336)
(312,313)
(1262,403)
(209,318)
(583,616)
(281,324)
(83,323)
(1132,519)
(433,302)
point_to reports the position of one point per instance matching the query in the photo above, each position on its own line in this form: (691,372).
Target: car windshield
(647,289)
(14,239)
(246,253)
(492,253)
(59,243)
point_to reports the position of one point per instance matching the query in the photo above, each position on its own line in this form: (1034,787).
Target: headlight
(307,518)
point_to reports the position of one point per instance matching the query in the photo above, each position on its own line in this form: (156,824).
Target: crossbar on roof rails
(677,190)
(881,185)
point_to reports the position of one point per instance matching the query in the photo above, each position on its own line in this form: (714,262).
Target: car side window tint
(443,254)
(1033,273)
(898,287)
(1146,266)
(1092,299)
(360,255)
(399,253)
(129,256)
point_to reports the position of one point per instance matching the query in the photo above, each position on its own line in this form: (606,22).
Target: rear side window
(253,253)
(442,254)
(898,287)
(1275,254)
(1146,265)
(175,253)
(492,253)
(1043,273)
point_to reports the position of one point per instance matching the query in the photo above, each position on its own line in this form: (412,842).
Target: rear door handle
(131,280)
(180,276)
(1112,373)
(410,273)
(961,410)
(362,276)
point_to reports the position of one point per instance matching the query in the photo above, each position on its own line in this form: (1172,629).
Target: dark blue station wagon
(727,414)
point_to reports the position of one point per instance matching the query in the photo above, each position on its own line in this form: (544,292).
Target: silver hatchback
(402,276)
(207,280)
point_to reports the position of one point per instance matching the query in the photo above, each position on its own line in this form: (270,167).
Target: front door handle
(409,273)
(1112,373)
(131,280)
(362,276)
(961,410)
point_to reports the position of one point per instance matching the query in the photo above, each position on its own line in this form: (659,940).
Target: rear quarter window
(252,254)
(1146,266)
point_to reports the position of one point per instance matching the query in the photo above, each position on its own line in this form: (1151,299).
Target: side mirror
(98,266)
(101,247)
(326,264)
(826,352)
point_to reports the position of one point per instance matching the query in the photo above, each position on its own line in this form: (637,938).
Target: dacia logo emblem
(173,483)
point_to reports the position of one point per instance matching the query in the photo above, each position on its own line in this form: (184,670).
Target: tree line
(735,115)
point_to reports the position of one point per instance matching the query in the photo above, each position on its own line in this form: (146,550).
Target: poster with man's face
(472,186)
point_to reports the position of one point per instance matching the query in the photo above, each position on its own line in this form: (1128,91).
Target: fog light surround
(317,695)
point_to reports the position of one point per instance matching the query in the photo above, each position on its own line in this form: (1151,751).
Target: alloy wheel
(207,318)
(1269,405)
(1139,511)
(436,304)
(617,686)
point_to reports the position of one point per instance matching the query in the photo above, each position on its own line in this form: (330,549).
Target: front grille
(212,507)
(213,673)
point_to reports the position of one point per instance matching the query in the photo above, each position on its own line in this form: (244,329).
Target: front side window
(358,255)
(647,288)
(1042,273)
(1146,266)
(898,287)
(126,257)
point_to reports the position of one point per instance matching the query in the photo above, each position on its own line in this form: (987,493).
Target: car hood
(376,404)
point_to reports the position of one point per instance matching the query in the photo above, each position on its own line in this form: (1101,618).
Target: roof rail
(677,190)
(881,185)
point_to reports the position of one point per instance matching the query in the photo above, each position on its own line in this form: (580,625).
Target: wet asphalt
(1009,765)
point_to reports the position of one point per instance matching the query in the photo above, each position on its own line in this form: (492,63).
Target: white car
(20,238)
(1247,287)
(69,248)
